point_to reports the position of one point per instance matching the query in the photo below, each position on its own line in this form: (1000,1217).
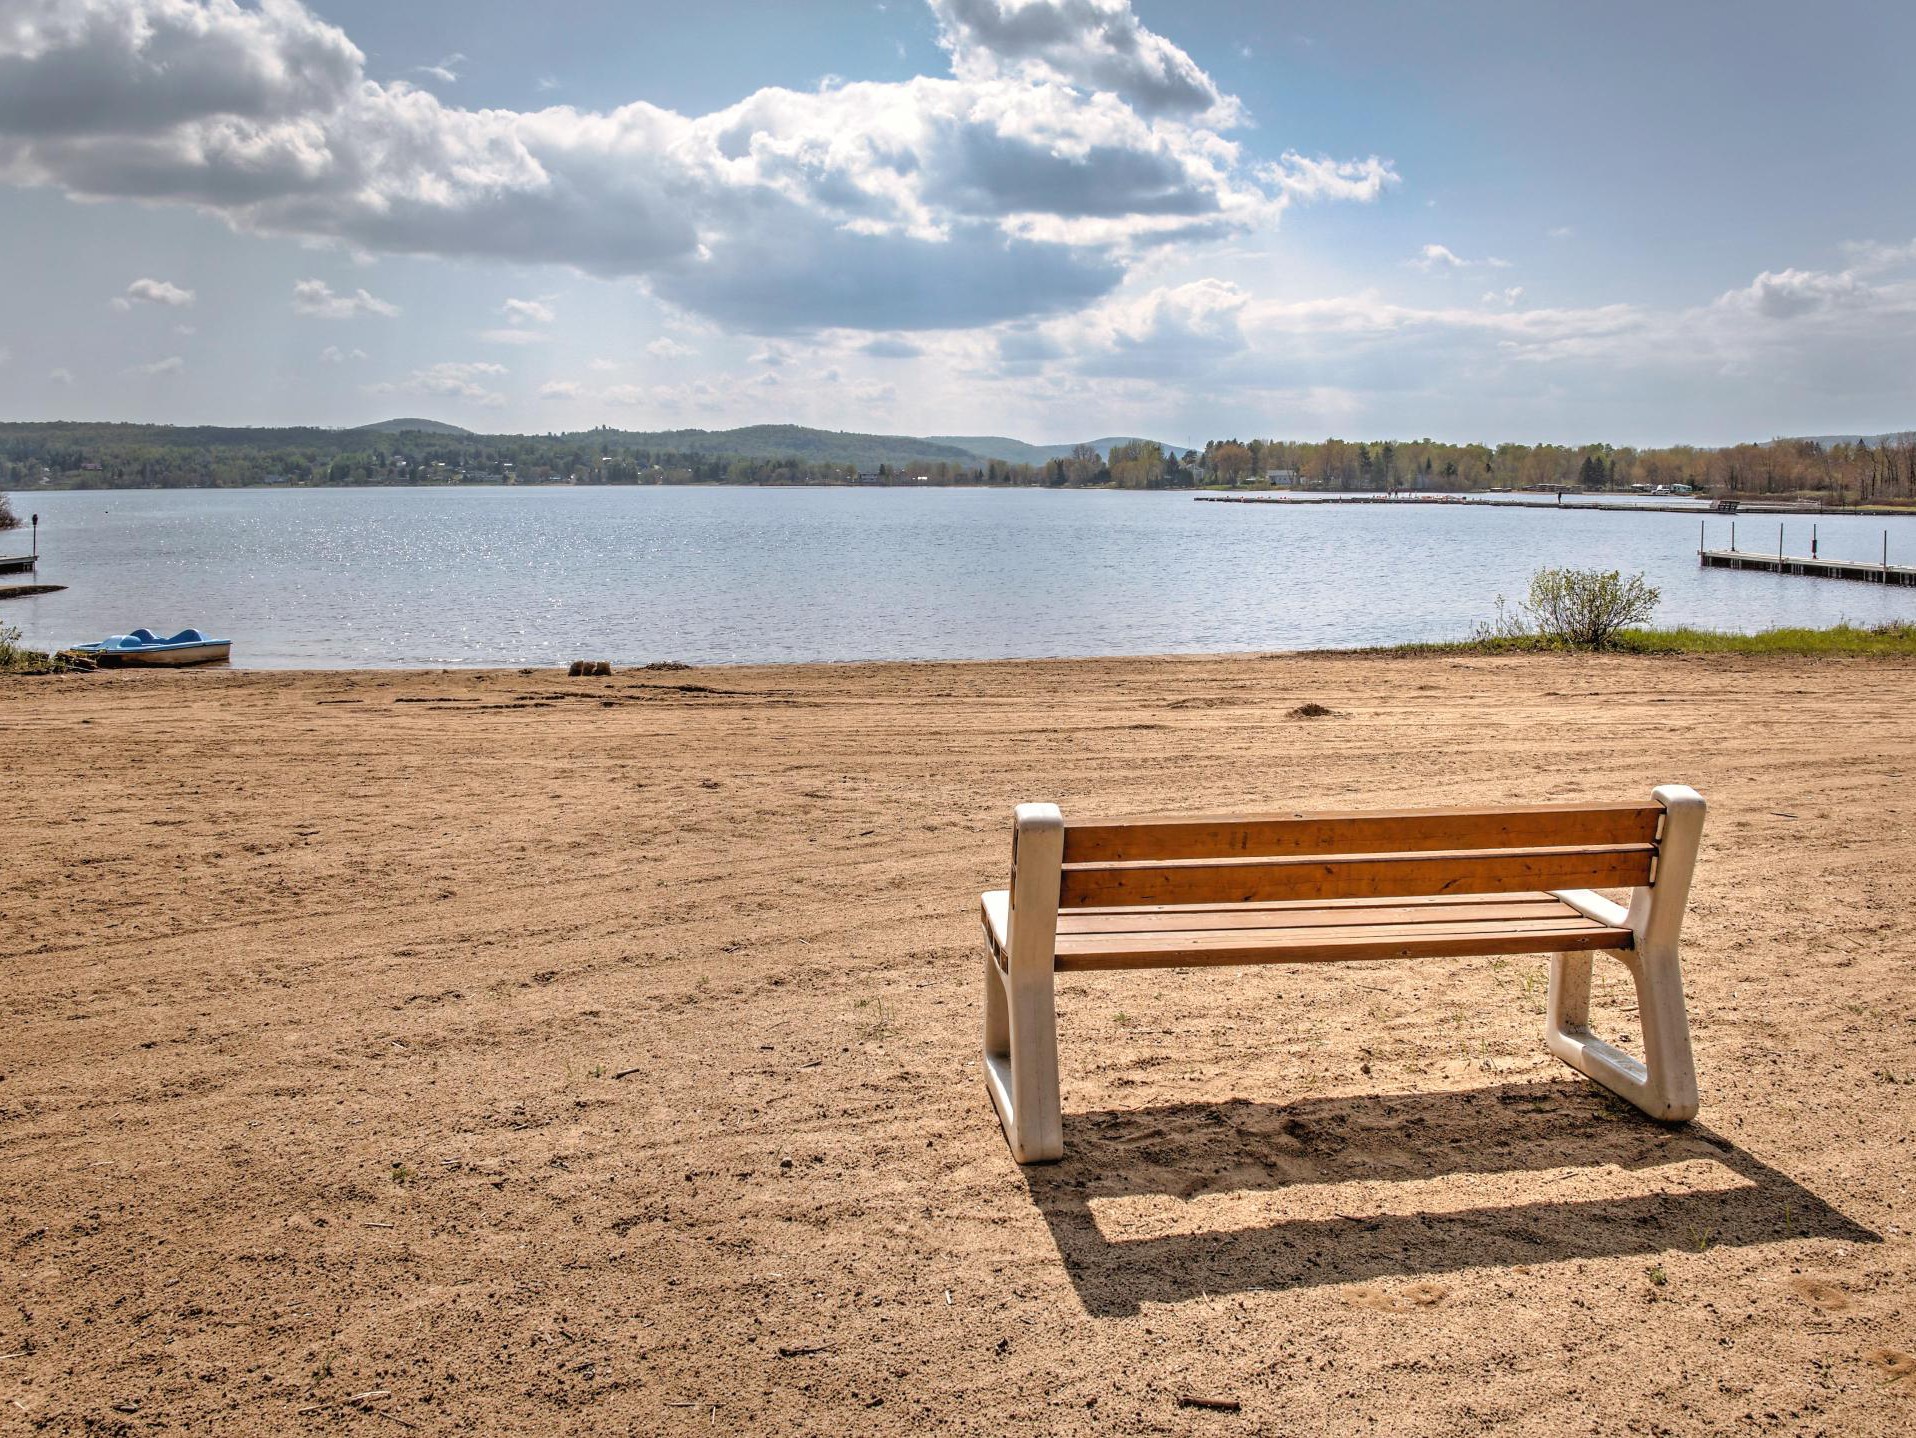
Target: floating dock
(19,564)
(1815,568)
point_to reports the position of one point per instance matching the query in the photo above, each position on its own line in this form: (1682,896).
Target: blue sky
(1052,218)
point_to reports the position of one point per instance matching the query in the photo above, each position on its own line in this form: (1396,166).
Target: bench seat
(1302,932)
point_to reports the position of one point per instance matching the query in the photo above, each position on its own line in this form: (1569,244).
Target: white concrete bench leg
(1663,1082)
(1021,1026)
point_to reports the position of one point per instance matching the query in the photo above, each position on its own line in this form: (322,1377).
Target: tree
(1231,461)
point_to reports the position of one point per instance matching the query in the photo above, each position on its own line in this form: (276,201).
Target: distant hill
(1895,436)
(791,441)
(1016,451)
(408,426)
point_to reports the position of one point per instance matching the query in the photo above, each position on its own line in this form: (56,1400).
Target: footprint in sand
(1408,1300)
(1821,1295)
(1894,1363)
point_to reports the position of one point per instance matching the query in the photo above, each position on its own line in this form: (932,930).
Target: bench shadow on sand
(1521,1132)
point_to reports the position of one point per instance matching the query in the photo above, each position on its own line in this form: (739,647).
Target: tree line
(69,455)
(1855,472)
(78,456)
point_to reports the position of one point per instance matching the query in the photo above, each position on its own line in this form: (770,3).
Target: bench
(1171,892)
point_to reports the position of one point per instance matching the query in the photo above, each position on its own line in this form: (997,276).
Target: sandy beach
(507,1053)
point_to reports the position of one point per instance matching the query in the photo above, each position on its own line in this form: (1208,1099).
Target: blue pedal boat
(144,647)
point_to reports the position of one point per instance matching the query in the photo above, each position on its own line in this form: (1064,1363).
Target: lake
(327,578)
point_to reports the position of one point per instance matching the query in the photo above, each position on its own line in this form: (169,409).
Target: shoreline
(1604,501)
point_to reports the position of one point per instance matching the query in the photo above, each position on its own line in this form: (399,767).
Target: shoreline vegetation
(74,455)
(1893,640)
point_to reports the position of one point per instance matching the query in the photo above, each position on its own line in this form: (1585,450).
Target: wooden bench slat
(1368,875)
(1222,836)
(1188,939)
(1399,945)
(1074,922)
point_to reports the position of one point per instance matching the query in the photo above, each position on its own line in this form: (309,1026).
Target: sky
(1055,219)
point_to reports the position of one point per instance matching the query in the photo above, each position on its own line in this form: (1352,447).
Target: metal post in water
(1733,536)
(36,536)
(1812,541)
(1779,545)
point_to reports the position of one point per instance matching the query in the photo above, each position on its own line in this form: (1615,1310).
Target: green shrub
(1573,609)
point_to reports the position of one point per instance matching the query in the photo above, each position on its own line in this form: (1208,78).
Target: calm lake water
(414,577)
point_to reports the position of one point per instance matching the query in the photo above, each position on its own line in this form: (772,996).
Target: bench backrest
(1235,859)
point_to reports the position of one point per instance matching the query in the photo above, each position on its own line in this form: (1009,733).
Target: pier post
(1779,545)
(1812,541)
(1733,536)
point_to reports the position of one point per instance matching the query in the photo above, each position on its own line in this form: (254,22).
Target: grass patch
(15,658)
(1896,639)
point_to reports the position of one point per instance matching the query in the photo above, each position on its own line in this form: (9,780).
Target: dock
(1813,565)
(19,564)
(1815,568)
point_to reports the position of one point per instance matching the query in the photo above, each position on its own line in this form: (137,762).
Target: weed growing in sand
(402,1175)
(1657,1276)
(877,1028)
(1701,1238)
(323,1370)
(1121,1019)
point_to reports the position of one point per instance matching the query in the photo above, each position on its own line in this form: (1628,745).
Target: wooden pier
(1815,568)
(1814,565)
(19,564)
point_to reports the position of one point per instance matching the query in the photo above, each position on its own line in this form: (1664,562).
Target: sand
(508,1053)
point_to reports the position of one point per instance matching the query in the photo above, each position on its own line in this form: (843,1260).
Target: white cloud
(1504,297)
(172,364)
(1787,294)
(1560,232)
(1868,257)
(450,380)
(333,354)
(527,312)
(514,337)
(1092,44)
(1069,142)
(318,299)
(602,365)
(1327,179)
(1438,257)
(665,347)
(623,394)
(153,292)
(58,376)
(445,71)
(562,389)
